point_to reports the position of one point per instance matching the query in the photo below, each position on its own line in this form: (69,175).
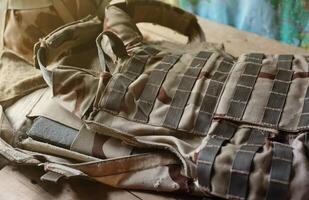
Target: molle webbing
(184,89)
(241,167)
(279,91)
(304,117)
(222,133)
(245,86)
(280,172)
(114,97)
(211,97)
(152,87)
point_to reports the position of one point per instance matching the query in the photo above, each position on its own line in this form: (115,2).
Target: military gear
(165,117)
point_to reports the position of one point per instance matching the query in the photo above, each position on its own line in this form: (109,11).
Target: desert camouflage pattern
(166,117)
(22,24)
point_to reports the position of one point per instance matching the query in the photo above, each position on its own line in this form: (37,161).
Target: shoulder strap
(157,12)
(63,11)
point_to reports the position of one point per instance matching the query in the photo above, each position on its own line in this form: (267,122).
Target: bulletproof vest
(23,23)
(189,118)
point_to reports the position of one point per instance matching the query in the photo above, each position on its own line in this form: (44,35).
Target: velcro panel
(119,85)
(279,91)
(245,86)
(222,133)
(52,132)
(241,167)
(152,87)
(184,89)
(211,97)
(281,167)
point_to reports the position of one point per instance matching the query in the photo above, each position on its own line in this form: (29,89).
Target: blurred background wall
(284,20)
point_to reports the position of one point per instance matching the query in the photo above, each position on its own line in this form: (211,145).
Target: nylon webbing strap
(206,158)
(304,117)
(306,144)
(210,99)
(119,85)
(101,8)
(279,91)
(184,89)
(3,10)
(241,167)
(245,86)
(281,167)
(152,87)
(63,11)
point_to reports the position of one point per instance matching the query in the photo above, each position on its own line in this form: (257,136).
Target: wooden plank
(24,183)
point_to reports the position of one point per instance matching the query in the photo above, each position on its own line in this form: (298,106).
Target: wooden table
(23,183)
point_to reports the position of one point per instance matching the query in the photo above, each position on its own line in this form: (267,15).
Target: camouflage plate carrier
(161,116)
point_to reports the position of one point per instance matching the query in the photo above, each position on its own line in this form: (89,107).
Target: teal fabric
(284,20)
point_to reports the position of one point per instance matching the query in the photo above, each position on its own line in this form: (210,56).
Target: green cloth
(284,20)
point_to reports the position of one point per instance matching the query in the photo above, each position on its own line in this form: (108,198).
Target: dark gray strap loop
(241,167)
(211,97)
(281,168)
(304,117)
(118,86)
(206,158)
(278,95)
(245,86)
(152,87)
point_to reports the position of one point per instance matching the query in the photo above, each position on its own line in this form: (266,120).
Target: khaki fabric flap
(3,9)
(28,4)
(47,107)
(20,109)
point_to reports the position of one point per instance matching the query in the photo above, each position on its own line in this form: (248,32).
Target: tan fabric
(185,140)
(22,24)
(173,118)
(27,21)
(18,77)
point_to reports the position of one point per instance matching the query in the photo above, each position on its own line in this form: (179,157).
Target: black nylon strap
(121,82)
(241,167)
(223,132)
(211,97)
(245,86)
(152,87)
(184,90)
(281,167)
